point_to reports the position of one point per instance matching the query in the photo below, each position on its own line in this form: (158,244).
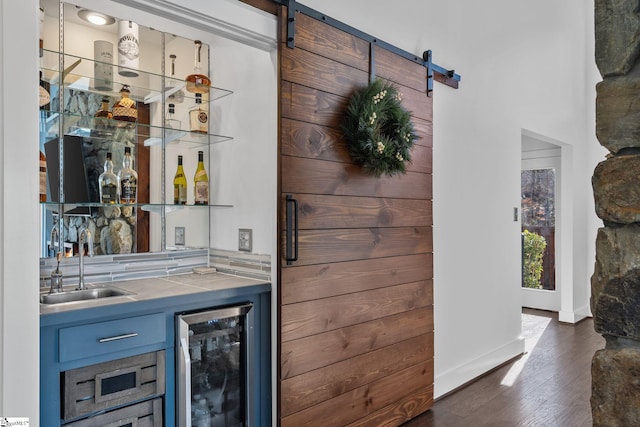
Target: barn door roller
(291,23)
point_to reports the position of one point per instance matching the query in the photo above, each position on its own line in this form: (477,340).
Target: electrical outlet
(245,239)
(179,236)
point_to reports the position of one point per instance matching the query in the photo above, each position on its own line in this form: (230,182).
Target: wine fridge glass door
(214,381)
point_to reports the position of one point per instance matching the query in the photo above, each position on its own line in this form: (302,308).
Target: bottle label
(128,48)
(202,192)
(199,120)
(179,194)
(128,189)
(109,193)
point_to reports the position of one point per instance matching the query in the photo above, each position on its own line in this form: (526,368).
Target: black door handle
(292,230)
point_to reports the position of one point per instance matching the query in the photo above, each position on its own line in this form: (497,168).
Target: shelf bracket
(291,23)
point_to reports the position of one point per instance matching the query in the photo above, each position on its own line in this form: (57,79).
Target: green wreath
(378,129)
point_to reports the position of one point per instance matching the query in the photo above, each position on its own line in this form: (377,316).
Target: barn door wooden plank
(301,175)
(314,317)
(326,246)
(306,283)
(301,139)
(320,211)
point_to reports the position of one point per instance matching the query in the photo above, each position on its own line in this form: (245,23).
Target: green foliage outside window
(533,249)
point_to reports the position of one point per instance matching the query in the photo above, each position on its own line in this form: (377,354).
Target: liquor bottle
(44,96)
(103,127)
(128,48)
(125,108)
(169,121)
(128,179)
(103,65)
(176,97)
(198,117)
(198,82)
(201,182)
(108,183)
(104,112)
(180,185)
(43,177)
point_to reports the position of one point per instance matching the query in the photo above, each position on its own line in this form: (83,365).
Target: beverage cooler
(215,385)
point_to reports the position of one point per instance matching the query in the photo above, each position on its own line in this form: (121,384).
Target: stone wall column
(615,284)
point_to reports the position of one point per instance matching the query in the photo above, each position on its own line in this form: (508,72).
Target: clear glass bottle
(104,112)
(201,182)
(199,117)
(128,179)
(176,97)
(197,82)
(125,108)
(200,416)
(180,185)
(169,121)
(108,183)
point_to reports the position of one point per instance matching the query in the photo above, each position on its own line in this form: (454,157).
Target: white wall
(524,66)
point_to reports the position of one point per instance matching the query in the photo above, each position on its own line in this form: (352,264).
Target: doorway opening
(538,223)
(540,209)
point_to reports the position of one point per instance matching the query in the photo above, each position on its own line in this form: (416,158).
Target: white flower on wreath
(379,96)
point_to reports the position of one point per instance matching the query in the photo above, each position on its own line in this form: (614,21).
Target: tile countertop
(155,288)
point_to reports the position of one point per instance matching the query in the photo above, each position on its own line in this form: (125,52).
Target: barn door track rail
(434,71)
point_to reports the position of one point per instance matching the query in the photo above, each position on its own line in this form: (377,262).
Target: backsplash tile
(257,266)
(110,268)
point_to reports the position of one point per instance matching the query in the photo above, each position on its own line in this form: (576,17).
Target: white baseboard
(456,377)
(574,316)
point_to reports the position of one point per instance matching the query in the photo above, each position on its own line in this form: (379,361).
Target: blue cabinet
(107,336)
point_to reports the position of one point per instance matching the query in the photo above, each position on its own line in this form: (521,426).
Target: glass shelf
(79,208)
(107,129)
(141,88)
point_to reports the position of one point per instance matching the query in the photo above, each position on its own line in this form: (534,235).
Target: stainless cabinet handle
(119,337)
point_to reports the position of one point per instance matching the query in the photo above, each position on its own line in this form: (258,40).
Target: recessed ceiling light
(96,18)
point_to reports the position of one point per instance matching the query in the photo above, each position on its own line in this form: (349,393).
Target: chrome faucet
(83,237)
(56,277)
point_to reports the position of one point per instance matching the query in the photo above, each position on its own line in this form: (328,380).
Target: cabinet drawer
(107,385)
(95,339)
(144,414)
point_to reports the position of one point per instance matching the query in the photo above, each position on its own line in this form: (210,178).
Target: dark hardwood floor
(548,386)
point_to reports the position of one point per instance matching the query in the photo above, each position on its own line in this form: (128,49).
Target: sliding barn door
(355,342)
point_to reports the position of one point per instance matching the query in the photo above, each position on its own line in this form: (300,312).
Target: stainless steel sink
(83,295)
